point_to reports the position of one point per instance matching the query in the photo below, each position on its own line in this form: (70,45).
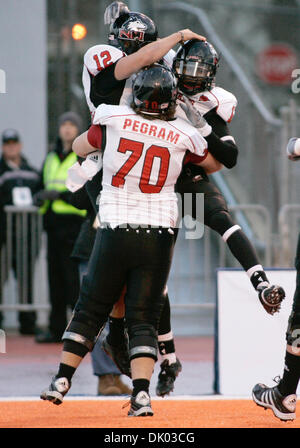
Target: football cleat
(271,297)
(167,376)
(119,354)
(283,407)
(56,391)
(140,406)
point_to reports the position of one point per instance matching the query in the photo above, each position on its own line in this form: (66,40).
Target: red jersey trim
(95,135)
(194,158)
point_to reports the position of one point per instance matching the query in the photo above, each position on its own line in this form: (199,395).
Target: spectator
(62,222)
(18,183)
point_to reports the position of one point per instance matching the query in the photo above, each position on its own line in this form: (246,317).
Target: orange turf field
(167,414)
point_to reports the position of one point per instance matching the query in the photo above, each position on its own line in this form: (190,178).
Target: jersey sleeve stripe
(95,136)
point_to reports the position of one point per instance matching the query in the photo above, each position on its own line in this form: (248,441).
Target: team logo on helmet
(136,25)
(135,30)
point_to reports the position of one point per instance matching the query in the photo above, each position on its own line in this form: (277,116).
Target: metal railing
(20,259)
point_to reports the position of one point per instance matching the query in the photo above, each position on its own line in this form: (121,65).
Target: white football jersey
(98,58)
(224,102)
(141,163)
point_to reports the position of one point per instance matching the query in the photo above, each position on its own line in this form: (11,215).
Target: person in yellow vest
(62,222)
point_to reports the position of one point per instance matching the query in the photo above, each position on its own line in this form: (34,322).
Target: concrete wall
(23,57)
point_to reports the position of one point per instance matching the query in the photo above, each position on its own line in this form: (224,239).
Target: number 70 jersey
(141,163)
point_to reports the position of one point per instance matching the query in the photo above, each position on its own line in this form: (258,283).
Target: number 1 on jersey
(105,60)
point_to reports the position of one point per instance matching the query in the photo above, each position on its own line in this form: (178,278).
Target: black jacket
(10,177)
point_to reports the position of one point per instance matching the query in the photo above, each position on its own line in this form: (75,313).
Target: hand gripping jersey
(217,98)
(141,163)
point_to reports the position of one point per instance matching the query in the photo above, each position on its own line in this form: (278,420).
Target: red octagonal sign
(276,63)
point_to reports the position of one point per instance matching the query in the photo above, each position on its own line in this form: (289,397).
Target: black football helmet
(154,90)
(131,31)
(195,65)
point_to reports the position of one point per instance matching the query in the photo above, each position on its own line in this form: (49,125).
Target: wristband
(182,37)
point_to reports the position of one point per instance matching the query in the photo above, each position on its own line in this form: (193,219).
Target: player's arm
(86,146)
(81,145)
(210,164)
(199,153)
(220,143)
(151,53)
(214,129)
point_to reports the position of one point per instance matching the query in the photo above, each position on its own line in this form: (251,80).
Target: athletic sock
(291,375)
(139,385)
(65,371)
(241,247)
(116,330)
(166,347)
(165,338)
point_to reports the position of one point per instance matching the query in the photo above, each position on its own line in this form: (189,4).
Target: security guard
(62,222)
(19,181)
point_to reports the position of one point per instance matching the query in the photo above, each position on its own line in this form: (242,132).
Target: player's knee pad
(142,341)
(83,328)
(220,221)
(293,330)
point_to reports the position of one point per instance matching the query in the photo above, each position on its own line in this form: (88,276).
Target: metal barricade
(20,259)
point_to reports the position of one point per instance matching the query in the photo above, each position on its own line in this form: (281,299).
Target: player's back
(141,163)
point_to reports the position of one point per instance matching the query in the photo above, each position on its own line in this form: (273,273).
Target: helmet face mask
(195,66)
(131,31)
(154,91)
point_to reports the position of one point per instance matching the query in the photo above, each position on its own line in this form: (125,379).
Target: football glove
(194,116)
(271,297)
(293,149)
(113,11)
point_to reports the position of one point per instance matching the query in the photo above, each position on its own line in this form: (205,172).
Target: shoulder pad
(227,103)
(220,99)
(99,57)
(105,111)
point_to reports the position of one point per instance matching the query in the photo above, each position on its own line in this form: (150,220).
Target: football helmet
(131,31)
(195,65)
(154,90)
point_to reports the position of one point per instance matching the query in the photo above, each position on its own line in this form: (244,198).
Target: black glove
(43,195)
(271,297)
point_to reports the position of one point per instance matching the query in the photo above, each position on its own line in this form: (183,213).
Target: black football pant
(138,258)
(216,217)
(63,277)
(294,318)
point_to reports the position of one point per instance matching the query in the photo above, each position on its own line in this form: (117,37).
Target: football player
(195,65)
(107,78)
(138,217)
(282,398)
